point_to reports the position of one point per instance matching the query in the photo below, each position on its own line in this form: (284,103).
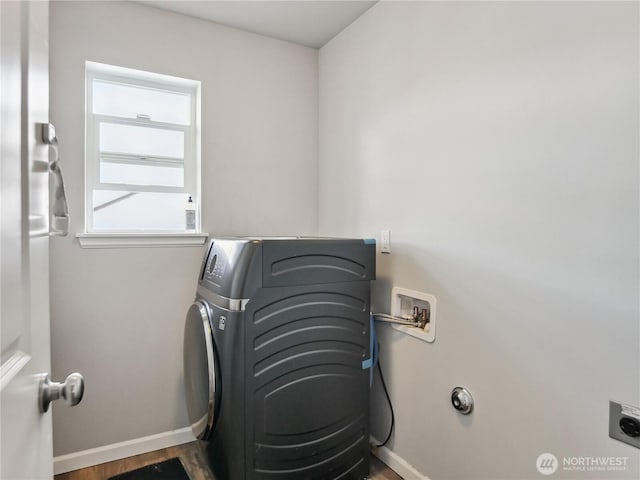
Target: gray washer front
(275,352)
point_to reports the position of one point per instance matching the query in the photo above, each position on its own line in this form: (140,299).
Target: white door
(26,446)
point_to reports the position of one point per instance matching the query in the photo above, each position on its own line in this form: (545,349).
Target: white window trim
(134,240)
(111,239)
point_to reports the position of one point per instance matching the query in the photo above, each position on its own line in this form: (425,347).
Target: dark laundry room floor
(194,461)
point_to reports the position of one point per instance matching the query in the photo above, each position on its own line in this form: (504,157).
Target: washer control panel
(216,266)
(215,270)
(224,266)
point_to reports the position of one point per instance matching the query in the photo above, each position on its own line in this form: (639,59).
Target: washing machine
(277,349)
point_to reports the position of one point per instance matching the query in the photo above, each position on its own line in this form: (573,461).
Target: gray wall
(117,315)
(499,144)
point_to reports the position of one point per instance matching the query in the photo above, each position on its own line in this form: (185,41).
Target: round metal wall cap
(462,400)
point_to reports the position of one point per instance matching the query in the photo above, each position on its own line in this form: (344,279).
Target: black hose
(393,418)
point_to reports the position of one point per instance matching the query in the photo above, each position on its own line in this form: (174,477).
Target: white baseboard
(397,463)
(116,451)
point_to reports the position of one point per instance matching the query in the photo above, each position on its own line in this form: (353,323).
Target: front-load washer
(276,356)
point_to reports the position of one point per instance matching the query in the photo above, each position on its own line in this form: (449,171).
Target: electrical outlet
(624,423)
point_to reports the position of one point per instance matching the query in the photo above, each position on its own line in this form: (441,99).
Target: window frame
(191,161)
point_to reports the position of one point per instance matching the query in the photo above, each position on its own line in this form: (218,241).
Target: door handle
(71,390)
(60,215)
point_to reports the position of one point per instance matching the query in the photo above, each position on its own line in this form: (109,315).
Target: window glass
(129,101)
(142,172)
(141,141)
(138,211)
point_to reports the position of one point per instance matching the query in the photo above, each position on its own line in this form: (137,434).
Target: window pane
(128,101)
(143,172)
(142,141)
(135,211)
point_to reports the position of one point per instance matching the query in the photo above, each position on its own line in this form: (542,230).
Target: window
(142,150)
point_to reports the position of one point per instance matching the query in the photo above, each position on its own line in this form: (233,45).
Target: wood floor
(194,460)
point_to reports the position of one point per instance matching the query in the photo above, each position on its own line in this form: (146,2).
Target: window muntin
(142,153)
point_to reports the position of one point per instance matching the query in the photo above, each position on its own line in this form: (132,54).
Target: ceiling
(307,22)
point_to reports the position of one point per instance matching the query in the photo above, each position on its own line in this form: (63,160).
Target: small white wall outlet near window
(403,304)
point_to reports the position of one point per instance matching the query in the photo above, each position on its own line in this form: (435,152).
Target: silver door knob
(71,390)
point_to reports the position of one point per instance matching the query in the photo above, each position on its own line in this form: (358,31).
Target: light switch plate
(618,412)
(385,241)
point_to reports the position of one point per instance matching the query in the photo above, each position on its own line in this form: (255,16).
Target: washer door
(200,370)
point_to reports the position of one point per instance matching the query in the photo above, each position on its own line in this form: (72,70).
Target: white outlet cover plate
(396,309)
(385,241)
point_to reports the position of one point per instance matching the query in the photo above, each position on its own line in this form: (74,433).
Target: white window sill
(133,240)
